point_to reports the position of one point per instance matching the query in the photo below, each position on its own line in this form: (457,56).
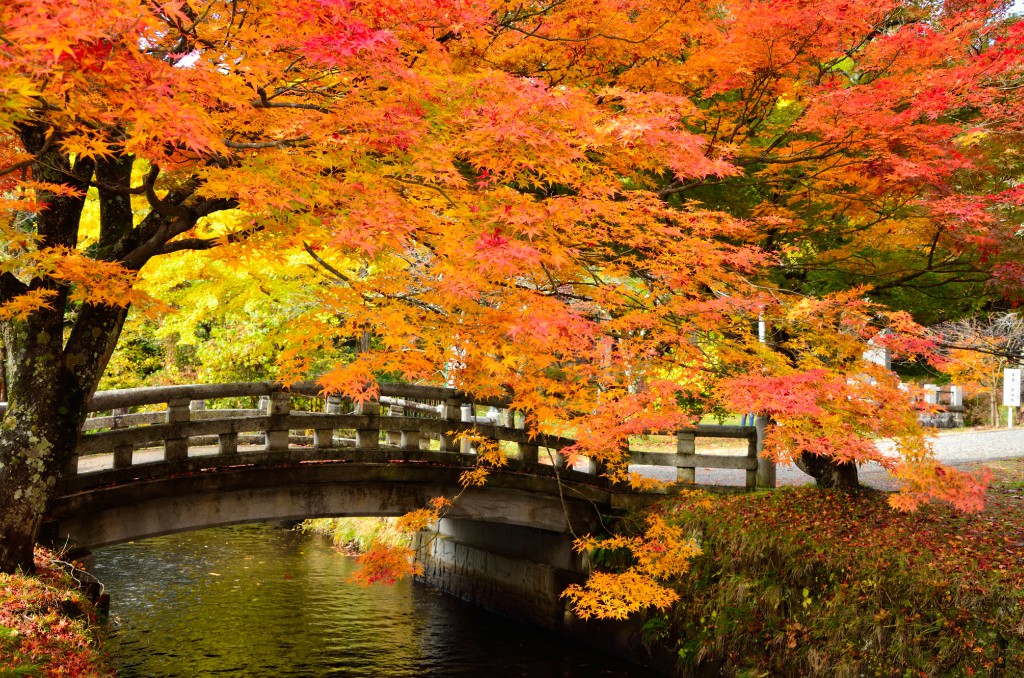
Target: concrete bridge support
(519,572)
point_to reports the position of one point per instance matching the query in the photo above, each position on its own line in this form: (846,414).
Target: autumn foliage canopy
(586,205)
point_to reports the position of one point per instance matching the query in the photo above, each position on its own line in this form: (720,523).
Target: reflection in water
(259,601)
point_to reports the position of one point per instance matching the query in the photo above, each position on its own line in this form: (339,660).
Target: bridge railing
(202,426)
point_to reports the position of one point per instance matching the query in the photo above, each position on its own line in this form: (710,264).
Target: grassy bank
(47,626)
(357,534)
(803,582)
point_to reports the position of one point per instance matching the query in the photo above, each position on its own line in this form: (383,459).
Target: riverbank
(804,582)
(356,535)
(48,628)
(795,582)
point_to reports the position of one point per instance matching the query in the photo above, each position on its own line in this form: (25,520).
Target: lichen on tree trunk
(38,433)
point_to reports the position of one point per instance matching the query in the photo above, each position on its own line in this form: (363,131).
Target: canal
(257,600)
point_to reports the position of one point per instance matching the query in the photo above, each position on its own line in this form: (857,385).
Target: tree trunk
(50,375)
(38,434)
(828,472)
(50,384)
(56,355)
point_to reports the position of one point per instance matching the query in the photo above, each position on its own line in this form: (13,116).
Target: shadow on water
(255,600)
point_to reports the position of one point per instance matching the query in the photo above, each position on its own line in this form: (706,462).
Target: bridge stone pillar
(368,438)
(280,405)
(122,453)
(466,417)
(396,438)
(176,449)
(451,412)
(324,437)
(528,452)
(332,404)
(516,571)
(686,446)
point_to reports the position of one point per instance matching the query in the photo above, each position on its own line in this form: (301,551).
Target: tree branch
(249,145)
(265,102)
(27,163)
(202,244)
(166,208)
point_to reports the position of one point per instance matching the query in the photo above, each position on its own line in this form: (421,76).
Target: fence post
(686,446)
(176,449)
(751,480)
(765,467)
(278,407)
(368,438)
(122,453)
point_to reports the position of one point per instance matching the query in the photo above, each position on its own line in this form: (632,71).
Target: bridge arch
(156,461)
(116,513)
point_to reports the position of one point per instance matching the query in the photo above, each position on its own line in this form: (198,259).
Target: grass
(357,534)
(47,626)
(806,582)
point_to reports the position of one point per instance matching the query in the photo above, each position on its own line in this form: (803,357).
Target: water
(256,600)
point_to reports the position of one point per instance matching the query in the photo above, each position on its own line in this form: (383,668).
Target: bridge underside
(126,512)
(506,546)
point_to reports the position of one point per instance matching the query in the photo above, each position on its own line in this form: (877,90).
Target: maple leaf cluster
(586,206)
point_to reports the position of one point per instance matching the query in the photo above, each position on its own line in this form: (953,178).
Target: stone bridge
(154,461)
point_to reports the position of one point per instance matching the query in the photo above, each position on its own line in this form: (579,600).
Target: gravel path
(954,448)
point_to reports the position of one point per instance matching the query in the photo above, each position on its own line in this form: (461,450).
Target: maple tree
(975,350)
(582,205)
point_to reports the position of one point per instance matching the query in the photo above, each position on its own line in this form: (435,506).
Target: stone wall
(515,571)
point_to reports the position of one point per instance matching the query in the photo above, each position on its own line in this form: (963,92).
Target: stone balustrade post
(332,404)
(410,438)
(368,438)
(765,467)
(396,438)
(122,453)
(528,452)
(686,446)
(279,406)
(451,412)
(557,458)
(588,465)
(466,417)
(324,437)
(176,449)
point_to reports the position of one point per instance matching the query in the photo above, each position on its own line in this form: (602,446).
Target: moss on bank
(48,628)
(805,582)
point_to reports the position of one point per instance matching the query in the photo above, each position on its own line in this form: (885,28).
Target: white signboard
(1011,388)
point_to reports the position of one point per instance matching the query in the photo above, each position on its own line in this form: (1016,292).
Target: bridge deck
(175,462)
